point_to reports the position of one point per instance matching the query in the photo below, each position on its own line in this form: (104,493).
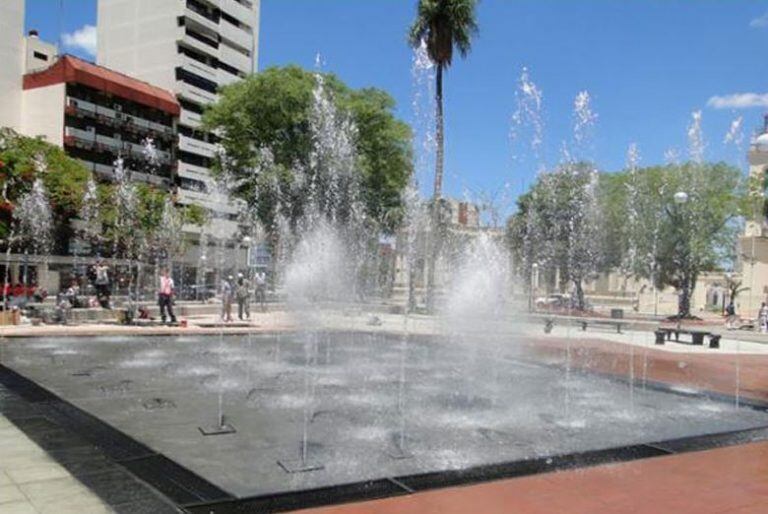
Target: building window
(40,56)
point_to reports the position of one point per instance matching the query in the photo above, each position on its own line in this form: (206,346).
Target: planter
(10,317)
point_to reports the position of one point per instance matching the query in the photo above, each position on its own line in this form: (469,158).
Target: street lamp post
(681,198)
(247,240)
(531,289)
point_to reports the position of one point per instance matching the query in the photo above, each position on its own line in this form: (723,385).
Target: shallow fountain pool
(360,401)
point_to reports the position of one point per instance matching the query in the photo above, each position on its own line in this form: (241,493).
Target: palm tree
(443,25)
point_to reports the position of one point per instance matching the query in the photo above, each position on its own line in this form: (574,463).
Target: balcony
(196,67)
(194,172)
(194,42)
(190,119)
(77,137)
(236,59)
(226,78)
(201,20)
(188,144)
(195,94)
(239,11)
(236,35)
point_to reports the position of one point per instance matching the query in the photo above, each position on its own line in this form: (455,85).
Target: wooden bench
(697,336)
(549,324)
(612,322)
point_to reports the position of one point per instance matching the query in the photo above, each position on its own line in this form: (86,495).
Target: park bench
(549,323)
(610,322)
(697,336)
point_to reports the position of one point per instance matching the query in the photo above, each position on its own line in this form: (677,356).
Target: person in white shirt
(260,281)
(165,296)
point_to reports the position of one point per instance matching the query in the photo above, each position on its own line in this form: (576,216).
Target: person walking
(260,281)
(243,293)
(227,294)
(165,292)
(102,283)
(762,318)
(730,313)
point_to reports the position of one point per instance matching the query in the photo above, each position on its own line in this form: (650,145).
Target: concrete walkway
(31,482)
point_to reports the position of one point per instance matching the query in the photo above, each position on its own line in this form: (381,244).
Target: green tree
(443,25)
(559,227)
(24,159)
(264,121)
(697,235)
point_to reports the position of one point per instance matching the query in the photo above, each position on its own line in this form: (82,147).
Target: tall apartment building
(191,47)
(98,115)
(12,59)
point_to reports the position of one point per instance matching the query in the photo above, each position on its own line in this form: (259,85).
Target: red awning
(70,69)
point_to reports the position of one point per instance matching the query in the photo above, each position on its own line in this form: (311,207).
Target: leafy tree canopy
(272,110)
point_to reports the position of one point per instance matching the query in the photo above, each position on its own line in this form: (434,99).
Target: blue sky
(646,63)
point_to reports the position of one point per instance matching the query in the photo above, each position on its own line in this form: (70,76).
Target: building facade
(12,57)
(98,115)
(191,47)
(753,244)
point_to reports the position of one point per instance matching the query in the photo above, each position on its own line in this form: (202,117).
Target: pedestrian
(101,282)
(260,281)
(227,294)
(730,313)
(763,318)
(165,296)
(242,293)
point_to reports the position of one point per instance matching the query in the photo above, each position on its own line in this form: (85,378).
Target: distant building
(461,222)
(753,244)
(12,59)
(192,47)
(97,115)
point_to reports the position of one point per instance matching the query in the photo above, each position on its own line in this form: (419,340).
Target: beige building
(753,245)
(12,58)
(191,47)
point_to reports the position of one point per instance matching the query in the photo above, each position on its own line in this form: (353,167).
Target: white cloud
(760,22)
(738,101)
(83,39)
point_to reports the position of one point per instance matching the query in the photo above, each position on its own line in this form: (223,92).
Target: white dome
(762,141)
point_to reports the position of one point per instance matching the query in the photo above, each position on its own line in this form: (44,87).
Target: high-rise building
(191,47)
(12,59)
(98,115)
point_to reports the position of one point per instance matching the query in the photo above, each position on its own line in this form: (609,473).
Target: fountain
(361,392)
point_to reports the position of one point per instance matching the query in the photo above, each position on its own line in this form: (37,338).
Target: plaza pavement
(31,482)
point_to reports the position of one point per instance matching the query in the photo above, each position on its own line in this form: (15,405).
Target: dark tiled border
(127,475)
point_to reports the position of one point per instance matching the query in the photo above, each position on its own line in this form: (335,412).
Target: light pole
(247,240)
(681,198)
(531,289)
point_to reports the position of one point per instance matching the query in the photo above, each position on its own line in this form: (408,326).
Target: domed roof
(762,141)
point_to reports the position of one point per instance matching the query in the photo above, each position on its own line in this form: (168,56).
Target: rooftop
(69,69)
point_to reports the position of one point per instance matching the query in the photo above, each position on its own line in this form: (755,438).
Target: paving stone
(84,502)
(10,493)
(54,488)
(21,507)
(37,472)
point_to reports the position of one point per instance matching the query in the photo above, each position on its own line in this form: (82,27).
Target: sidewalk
(32,482)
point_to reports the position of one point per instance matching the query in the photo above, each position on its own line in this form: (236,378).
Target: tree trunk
(579,288)
(684,301)
(438,190)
